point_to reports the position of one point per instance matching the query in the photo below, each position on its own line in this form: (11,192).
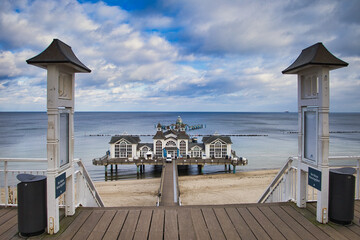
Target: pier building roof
(182,135)
(200,145)
(210,139)
(179,135)
(130,138)
(315,55)
(149,145)
(58,52)
(159,135)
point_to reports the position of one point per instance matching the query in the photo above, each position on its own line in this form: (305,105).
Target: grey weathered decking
(243,221)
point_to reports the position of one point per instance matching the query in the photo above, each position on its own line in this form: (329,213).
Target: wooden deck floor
(251,221)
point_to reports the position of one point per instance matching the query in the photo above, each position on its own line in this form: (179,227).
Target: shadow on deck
(243,221)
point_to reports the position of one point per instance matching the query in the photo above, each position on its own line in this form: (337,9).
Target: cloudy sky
(178,55)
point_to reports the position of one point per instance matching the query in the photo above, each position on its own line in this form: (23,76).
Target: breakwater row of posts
(198,135)
(228,135)
(296,132)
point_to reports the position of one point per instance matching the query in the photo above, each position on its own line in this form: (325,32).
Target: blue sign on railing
(314,178)
(60,185)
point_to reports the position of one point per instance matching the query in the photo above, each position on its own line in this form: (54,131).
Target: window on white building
(183,148)
(144,150)
(123,149)
(158,148)
(218,149)
(171,144)
(196,152)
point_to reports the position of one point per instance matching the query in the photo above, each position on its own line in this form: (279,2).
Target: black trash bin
(341,195)
(32,210)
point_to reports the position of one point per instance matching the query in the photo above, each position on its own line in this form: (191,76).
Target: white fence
(283,187)
(85,195)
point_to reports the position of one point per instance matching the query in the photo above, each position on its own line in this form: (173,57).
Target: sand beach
(242,187)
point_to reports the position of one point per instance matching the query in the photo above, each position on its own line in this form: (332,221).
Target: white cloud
(185,58)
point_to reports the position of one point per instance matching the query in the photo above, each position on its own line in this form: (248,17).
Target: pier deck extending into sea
(142,162)
(243,221)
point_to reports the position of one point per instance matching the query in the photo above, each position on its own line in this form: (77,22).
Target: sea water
(267,139)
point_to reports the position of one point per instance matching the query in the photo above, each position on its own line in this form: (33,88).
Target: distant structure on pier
(179,124)
(171,140)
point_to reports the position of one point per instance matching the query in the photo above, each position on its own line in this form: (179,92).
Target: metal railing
(11,167)
(283,187)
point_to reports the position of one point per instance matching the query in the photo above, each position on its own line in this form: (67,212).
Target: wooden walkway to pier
(169,188)
(251,221)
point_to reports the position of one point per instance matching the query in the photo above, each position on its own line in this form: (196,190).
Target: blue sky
(178,55)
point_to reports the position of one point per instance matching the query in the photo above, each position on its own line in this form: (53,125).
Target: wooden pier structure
(140,163)
(243,221)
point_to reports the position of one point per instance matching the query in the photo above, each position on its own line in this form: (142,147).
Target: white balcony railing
(283,187)
(85,195)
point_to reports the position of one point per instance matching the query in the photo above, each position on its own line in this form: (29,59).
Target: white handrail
(23,160)
(285,182)
(12,188)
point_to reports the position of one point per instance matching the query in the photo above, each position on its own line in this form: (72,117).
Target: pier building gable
(217,146)
(173,141)
(124,146)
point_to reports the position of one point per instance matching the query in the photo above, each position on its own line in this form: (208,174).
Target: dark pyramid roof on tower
(58,52)
(159,135)
(316,54)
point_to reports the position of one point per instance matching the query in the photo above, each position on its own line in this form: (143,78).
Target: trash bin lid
(346,171)
(29,177)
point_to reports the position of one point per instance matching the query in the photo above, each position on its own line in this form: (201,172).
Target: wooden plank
(11,233)
(356,220)
(143,226)
(240,225)
(89,225)
(357,213)
(116,225)
(213,224)
(310,213)
(75,225)
(355,229)
(199,224)
(280,224)
(102,225)
(64,224)
(4,211)
(8,215)
(171,224)
(8,225)
(294,225)
(128,230)
(157,225)
(317,232)
(342,230)
(265,223)
(226,224)
(186,227)
(257,230)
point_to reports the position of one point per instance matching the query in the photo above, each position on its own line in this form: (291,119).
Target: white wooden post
(312,67)
(61,64)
